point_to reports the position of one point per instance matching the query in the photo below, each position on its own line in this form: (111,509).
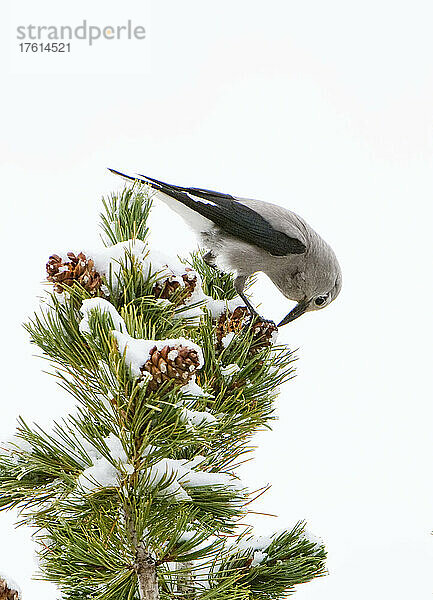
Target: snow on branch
(169,273)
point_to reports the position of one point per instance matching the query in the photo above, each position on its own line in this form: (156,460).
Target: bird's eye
(320,300)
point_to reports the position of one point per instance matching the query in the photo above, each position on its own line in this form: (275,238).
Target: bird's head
(314,286)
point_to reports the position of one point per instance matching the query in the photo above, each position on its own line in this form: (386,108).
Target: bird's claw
(256,318)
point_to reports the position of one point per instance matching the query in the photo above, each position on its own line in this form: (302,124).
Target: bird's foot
(255,320)
(263,331)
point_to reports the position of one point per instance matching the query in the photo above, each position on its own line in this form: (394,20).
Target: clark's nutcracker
(247,236)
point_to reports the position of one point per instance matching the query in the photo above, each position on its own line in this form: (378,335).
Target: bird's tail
(153,183)
(180,200)
(121,174)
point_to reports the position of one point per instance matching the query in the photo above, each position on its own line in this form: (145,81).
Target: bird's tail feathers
(153,183)
(121,174)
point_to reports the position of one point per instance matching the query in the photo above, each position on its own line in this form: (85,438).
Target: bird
(247,236)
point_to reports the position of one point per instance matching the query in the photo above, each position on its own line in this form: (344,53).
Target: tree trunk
(185,581)
(146,574)
(145,566)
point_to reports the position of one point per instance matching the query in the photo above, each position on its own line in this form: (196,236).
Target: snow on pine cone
(6,593)
(79,269)
(231,323)
(175,363)
(166,288)
(264,334)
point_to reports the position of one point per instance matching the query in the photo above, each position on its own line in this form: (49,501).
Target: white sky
(323,107)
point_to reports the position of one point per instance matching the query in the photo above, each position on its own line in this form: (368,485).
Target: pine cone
(165,289)
(78,269)
(233,323)
(262,335)
(175,363)
(230,322)
(6,593)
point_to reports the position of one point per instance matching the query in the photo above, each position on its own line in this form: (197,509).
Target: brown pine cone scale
(233,322)
(230,322)
(263,333)
(6,593)
(78,269)
(165,289)
(176,363)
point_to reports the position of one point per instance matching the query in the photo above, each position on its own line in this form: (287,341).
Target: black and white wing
(228,214)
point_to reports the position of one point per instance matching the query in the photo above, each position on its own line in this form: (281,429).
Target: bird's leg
(239,285)
(250,307)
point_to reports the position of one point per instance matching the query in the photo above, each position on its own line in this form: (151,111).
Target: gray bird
(248,236)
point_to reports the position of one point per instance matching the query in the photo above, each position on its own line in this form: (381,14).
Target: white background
(323,107)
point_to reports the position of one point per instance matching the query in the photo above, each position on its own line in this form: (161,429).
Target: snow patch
(172,355)
(184,476)
(103,306)
(312,539)
(230,370)
(274,337)
(104,473)
(218,307)
(226,340)
(197,418)
(101,474)
(193,389)
(187,536)
(108,262)
(258,558)
(11,448)
(137,351)
(162,301)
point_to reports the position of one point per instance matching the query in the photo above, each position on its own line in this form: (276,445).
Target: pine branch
(125,215)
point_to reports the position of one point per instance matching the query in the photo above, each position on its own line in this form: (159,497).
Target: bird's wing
(231,216)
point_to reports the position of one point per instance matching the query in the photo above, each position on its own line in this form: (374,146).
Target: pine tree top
(172,379)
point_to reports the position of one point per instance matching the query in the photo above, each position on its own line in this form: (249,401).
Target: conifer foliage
(135,495)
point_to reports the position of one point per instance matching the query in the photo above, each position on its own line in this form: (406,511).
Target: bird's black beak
(296,312)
